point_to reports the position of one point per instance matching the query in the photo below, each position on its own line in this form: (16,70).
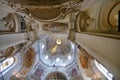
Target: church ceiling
(56,51)
(40,2)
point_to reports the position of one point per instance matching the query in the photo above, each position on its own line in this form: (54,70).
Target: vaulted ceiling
(40,2)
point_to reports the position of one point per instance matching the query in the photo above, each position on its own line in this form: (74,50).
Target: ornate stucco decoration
(108,16)
(47,10)
(55,27)
(83,21)
(10,23)
(10,51)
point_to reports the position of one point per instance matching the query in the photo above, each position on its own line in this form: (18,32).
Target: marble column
(105,49)
(7,40)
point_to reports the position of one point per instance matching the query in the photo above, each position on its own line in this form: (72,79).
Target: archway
(56,76)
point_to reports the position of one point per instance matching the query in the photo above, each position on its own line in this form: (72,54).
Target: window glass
(103,70)
(6,63)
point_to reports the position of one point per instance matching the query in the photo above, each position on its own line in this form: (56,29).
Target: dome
(56,51)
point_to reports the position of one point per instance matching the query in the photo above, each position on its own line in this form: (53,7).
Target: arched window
(103,70)
(6,63)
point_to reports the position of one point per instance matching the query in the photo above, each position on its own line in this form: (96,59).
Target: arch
(56,75)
